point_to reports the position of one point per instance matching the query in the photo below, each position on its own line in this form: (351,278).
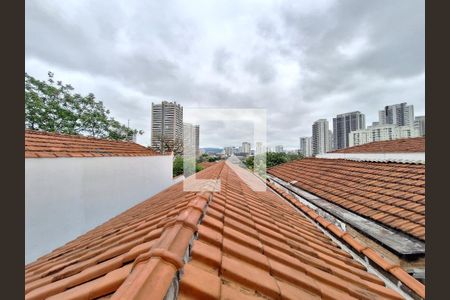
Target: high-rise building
(381,133)
(197,140)
(343,124)
(330,140)
(259,148)
(246,147)
(419,124)
(191,136)
(306,146)
(279,149)
(398,114)
(229,150)
(320,136)
(167,125)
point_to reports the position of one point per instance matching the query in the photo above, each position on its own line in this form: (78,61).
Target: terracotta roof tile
(40,144)
(370,254)
(249,245)
(381,199)
(400,145)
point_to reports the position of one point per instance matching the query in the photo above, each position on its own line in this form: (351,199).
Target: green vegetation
(55,107)
(206,157)
(178,167)
(272,159)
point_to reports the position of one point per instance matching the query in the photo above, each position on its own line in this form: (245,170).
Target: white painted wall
(65,197)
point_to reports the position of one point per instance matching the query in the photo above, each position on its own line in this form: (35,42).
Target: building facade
(259,148)
(419,124)
(229,151)
(279,149)
(382,133)
(246,147)
(191,136)
(167,125)
(343,124)
(306,146)
(320,136)
(398,114)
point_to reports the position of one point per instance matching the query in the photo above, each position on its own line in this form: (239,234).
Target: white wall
(65,197)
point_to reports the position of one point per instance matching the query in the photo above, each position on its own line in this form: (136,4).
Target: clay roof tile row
(40,144)
(244,245)
(379,191)
(400,145)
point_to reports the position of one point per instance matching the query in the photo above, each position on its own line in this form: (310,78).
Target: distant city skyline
(300,60)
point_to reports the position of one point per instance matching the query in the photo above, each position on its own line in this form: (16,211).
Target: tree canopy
(273,159)
(178,166)
(54,107)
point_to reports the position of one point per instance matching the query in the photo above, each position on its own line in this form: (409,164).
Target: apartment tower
(343,124)
(397,114)
(191,137)
(306,146)
(167,125)
(320,137)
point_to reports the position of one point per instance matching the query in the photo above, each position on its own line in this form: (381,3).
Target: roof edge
(416,246)
(414,287)
(397,157)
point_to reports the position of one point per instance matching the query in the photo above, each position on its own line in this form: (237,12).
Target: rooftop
(232,244)
(392,146)
(392,194)
(40,144)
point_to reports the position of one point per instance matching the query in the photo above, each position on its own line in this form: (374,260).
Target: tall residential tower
(343,124)
(306,146)
(167,125)
(191,137)
(320,137)
(398,114)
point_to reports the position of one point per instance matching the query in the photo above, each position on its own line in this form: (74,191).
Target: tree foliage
(55,107)
(178,167)
(167,144)
(273,159)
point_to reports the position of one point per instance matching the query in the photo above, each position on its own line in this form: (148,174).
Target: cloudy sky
(300,60)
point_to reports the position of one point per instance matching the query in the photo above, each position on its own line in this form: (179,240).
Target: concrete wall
(65,197)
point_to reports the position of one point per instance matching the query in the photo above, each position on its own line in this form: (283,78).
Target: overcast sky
(300,60)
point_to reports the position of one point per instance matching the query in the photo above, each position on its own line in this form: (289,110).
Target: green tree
(178,167)
(272,159)
(55,107)
(249,162)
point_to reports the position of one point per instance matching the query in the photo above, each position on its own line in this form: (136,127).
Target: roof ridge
(54,144)
(80,136)
(413,144)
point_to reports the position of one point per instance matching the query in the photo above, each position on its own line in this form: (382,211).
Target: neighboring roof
(39,144)
(389,193)
(244,245)
(207,164)
(393,269)
(401,145)
(395,157)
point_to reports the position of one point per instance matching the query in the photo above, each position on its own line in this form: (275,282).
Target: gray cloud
(300,60)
